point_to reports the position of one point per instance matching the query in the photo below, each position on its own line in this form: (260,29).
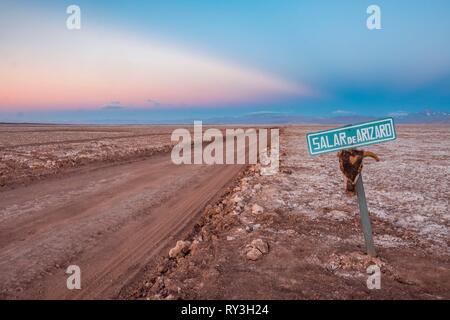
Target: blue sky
(318,57)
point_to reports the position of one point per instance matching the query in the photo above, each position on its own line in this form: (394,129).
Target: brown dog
(351,164)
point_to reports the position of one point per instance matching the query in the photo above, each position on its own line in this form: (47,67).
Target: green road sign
(351,136)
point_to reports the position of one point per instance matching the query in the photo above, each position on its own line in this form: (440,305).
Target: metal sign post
(365,220)
(351,161)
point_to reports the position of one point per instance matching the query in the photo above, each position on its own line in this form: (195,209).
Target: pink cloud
(89,68)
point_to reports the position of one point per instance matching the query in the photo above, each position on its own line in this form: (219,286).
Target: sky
(221,58)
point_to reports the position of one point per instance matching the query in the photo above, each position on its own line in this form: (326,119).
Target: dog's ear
(371,155)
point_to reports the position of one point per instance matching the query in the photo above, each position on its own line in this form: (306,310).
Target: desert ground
(109,199)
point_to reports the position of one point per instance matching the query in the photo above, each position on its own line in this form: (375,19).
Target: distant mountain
(112,107)
(283,118)
(424,117)
(427,116)
(343,119)
(114,114)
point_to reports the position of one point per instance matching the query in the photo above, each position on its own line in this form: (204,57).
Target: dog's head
(351,163)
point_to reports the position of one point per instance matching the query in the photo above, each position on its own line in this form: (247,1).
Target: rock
(229,238)
(257,186)
(256,249)
(158,285)
(170,285)
(261,245)
(257,209)
(194,246)
(332,266)
(181,248)
(163,269)
(237,199)
(254,254)
(352,261)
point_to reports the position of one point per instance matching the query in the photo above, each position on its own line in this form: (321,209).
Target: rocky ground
(297,235)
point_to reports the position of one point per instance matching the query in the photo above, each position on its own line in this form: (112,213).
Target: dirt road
(111,221)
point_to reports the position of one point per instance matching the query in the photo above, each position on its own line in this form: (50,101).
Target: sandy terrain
(141,227)
(109,216)
(30,152)
(296,235)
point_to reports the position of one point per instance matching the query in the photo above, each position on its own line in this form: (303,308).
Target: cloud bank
(53,68)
